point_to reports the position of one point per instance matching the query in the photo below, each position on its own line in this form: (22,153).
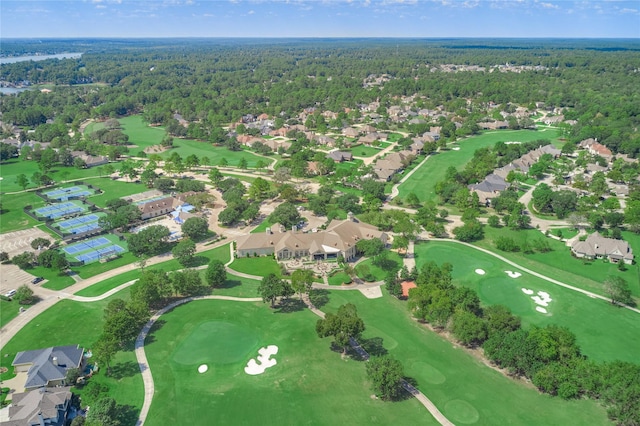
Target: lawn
(71,323)
(603,331)
(262,227)
(8,311)
(114,189)
(297,390)
(139,132)
(378,272)
(567,233)
(13,217)
(339,278)
(561,265)
(260,266)
(423,181)
(460,385)
(366,151)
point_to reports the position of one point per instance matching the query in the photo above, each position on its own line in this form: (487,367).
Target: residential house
(48,367)
(340,156)
(45,406)
(350,132)
(598,247)
(489,188)
(595,148)
(90,160)
(339,239)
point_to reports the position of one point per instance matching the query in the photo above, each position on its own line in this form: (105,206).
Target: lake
(14,59)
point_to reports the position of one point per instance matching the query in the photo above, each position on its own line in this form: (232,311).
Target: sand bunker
(513,274)
(480,271)
(456,148)
(527,291)
(541,309)
(203,368)
(542,298)
(264,361)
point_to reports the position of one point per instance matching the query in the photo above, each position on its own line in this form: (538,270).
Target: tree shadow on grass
(290,305)
(230,284)
(403,396)
(198,261)
(319,297)
(127,415)
(373,346)
(124,369)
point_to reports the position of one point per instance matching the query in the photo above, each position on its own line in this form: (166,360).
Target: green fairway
(71,323)
(604,332)
(139,132)
(423,181)
(561,265)
(297,390)
(464,389)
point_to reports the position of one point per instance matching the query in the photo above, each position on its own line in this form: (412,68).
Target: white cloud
(549,5)
(627,10)
(100,6)
(251,12)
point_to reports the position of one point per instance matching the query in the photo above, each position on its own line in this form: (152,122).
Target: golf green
(217,342)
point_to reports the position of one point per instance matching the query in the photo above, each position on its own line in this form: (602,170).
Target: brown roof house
(48,367)
(339,238)
(45,406)
(598,247)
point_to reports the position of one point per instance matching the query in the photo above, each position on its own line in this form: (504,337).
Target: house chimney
(55,360)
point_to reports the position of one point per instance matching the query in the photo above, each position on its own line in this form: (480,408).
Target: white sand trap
(456,148)
(254,368)
(513,274)
(480,271)
(527,291)
(541,309)
(542,298)
(203,368)
(371,293)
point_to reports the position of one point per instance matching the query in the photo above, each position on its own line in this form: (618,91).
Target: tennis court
(148,200)
(76,221)
(95,248)
(58,210)
(64,194)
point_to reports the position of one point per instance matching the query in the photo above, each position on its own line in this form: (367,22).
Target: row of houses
(495,183)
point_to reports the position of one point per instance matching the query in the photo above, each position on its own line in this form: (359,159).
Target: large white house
(597,247)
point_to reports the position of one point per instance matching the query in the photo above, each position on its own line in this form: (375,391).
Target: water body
(14,59)
(12,90)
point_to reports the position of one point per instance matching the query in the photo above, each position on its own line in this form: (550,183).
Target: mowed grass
(423,181)
(141,135)
(13,217)
(75,323)
(561,265)
(603,331)
(379,273)
(297,390)
(8,311)
(463,388)
(259,266)
(10,170)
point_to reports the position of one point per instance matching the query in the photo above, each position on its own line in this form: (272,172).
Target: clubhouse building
(339,238)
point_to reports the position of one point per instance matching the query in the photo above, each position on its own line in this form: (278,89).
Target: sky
(320,18)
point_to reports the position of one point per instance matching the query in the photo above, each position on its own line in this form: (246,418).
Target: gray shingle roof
(43,370)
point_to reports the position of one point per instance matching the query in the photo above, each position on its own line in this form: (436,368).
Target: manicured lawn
(349,165)
(72,323)
(8,311)
(237,286)
(378,272)
(460,385)
(114,189)
(603,331)
(423,181)
(139,132)
(297,390)
(567,233)
(560,265)
(262,227)
(339,279)
(261,266)
(55,281)
(13,217)
(366,151)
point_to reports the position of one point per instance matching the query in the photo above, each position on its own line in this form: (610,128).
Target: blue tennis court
(70,223)
(85,228)
(148,200)
(98,253)
(66,193)
(86,245)
(55,211)
(62,191)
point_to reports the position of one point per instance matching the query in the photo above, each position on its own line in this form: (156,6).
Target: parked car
(10,293)
(36,280)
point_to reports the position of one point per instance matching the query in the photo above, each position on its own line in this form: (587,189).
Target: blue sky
(320,18)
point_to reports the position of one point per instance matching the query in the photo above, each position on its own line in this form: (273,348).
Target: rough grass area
(75,323)
(423,181)
(604,332)
(460,385)
(225,335)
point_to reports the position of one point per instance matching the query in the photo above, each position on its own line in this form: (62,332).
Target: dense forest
(212,82)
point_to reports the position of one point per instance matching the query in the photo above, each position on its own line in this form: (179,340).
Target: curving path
(147,378)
